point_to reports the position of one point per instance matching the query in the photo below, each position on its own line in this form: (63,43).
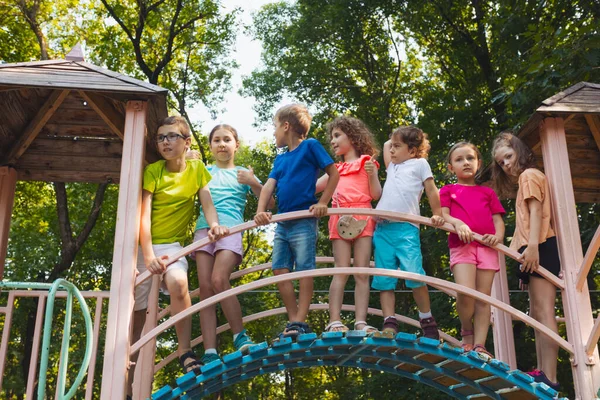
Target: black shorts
(548,259)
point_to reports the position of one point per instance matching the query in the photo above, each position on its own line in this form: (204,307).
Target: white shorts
(142,291)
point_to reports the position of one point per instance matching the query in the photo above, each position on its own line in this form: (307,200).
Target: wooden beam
(594,123)
(588,259)
(8,182)
(114,120)
(36,125)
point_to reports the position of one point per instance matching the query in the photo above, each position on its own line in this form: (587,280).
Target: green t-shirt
(173,198)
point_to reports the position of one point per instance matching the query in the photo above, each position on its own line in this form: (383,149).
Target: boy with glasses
(169,187)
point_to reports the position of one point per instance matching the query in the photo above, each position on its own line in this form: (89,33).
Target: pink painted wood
(118,330)
(588,260)
(8,182)
(144,371)
(592,342)
(39,320)
(393,216)
(281,310)
(504,338)
(10,304)
(89,388)
(577,307)
(434,282)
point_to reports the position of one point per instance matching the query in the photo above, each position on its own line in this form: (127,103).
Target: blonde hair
(502,183)
(358,133)
(181,123)
(414,138)
(297,116)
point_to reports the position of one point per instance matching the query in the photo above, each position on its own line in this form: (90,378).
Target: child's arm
(248,178)
(464,232)
(210,213)
(498,237)
(434,201)
(531,256)
(320,209)
(387,155)
(153,264)
(263,217)
(374,184)
(322,183)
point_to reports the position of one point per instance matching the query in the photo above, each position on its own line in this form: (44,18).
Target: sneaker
(243,342)
(429,327)
(540,376)
(209,357)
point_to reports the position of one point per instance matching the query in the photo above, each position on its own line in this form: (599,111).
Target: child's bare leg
(362,290)
(288,295)
(543,295)
(465,275)
(208,316)
(177,284)
(342,256)
(538,348)
(226,261)
(306,294)
(388,302)
(421,296)
(139,319)
(481,320)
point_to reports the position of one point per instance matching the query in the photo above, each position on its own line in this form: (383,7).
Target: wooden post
(504,339)
(120,308)
(144,371)
(8,183)
(576,304)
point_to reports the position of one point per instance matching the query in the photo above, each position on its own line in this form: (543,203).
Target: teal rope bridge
(460,374)
(64,351)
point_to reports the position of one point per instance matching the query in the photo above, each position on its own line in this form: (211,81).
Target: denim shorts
(397,246)
(295,245)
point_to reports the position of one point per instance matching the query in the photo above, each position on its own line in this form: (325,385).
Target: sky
(238,110)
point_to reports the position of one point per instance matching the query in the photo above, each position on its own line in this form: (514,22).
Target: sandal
(368,329)
(336,326)
(479,348)
(193,365)
(463,333)
(294,329)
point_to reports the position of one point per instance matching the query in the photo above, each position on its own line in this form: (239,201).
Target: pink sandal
(463,333)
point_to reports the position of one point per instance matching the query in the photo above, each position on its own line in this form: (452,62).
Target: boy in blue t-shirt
(294,177)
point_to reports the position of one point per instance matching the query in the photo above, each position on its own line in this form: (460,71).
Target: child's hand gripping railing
(64,353)
(434,282)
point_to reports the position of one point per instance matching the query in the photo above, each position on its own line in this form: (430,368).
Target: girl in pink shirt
(359,184)
(472,208)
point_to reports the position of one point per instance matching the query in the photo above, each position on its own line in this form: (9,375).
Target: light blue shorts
(397,246)
(295,245)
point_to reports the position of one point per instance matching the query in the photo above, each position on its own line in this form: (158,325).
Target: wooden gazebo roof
(579,107)
(63,120)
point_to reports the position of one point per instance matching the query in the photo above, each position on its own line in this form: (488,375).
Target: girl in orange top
(353,143)
(534,238)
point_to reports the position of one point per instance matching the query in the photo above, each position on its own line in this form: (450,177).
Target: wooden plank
(560,95)
(586,197)
(84,116)
(102,106)
(43,115)
(559,107)
(72,130)
(72,163)
(33,64)
(577,141)
(124,78)
(71,80)
(594,124)
(68,176)
(587,183)
(79,147)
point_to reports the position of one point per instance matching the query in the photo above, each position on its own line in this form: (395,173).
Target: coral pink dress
(352,192)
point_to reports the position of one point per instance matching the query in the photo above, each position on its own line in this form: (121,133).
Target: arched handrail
(393,216)
(281,310)
(434,282)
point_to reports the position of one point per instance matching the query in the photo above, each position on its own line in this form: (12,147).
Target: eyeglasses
(171,137)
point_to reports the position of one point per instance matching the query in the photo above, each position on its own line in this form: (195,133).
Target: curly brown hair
(358,133)
(502,183)
(414,138)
